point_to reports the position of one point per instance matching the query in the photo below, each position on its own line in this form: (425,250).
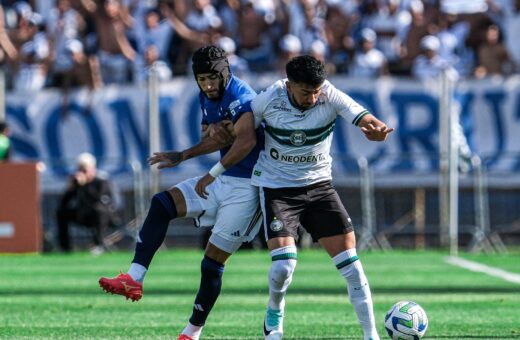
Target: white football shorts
(232,209)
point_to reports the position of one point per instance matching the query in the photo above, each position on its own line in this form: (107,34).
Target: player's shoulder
(268,96)
(275,90)
(279,86)
(327,87)
(238,88)
(330,93)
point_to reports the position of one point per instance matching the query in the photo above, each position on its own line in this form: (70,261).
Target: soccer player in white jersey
(293,173)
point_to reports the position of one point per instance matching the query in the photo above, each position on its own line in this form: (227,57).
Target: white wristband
(217,170)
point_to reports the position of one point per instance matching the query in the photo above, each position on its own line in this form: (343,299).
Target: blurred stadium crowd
(66,43)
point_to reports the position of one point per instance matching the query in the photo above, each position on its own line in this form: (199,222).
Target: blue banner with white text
(112,124)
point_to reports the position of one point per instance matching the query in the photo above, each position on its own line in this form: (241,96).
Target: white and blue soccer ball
(406,320)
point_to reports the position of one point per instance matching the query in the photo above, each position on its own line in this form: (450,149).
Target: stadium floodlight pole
(153,124)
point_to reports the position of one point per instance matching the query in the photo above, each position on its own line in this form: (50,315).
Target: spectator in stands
(238,65)
(452,35)
(87,201)
(512,27)
(25,28)
(7,49)
(64,24)
(388,21)
(254,37)
(161,25)
(313,27)
(493,58)
(152,63)
(228,11)
(290,47)
(32,74)
(156,33)
(368,61)
(338,27)
(429,64)
(5,142)
(115,53)
(411,36)
(203,18)
(83,72)
(318,50)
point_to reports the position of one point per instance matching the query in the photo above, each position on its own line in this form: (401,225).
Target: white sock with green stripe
(351,269)
(280,275)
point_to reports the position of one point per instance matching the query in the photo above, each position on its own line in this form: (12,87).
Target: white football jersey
(297,143)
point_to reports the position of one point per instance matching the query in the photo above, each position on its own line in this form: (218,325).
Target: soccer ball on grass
(406,320)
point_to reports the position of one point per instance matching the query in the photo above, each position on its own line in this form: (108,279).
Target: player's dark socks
(209,290)
(152,234)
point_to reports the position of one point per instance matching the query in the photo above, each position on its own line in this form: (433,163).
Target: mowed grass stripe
(63,300)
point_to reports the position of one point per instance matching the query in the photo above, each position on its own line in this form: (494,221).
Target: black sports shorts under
(317,208)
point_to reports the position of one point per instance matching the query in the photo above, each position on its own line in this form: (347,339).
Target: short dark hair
(305,69)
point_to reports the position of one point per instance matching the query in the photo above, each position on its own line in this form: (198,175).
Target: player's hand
(376,133)
(81,178)
(167,159)
(201,185)
(223,132)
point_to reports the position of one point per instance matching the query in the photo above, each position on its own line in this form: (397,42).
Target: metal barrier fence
(385,215)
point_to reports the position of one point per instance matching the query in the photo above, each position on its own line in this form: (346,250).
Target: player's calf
(349,265)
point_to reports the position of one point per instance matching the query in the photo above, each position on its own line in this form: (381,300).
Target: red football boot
(184,337)
(124,285)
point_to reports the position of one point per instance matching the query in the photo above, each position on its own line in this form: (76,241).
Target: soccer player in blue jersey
(224,198)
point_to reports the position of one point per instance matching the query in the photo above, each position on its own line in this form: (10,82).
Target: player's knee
(282,271)
(163,203)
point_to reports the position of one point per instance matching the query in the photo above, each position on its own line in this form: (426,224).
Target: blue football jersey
(235,102)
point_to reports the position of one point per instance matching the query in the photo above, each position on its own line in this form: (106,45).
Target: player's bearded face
(302,95)
(210,84)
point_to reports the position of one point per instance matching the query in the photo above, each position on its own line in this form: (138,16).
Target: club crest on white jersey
(297,143)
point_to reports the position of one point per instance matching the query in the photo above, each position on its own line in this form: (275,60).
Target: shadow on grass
(458,337)
(252,290)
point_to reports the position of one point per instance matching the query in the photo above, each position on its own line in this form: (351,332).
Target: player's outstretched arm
(374,129)
(166,159)
(244,142)
(214,137)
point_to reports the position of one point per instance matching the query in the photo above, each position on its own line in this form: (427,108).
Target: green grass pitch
(57,296)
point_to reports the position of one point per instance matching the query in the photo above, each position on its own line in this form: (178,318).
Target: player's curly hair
(305,69)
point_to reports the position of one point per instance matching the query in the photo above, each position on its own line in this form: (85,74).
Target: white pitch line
(477,267)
